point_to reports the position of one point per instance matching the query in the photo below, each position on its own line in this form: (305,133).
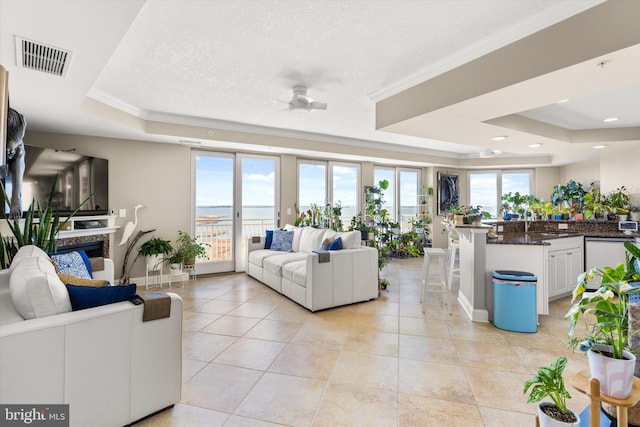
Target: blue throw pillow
(336,245)
(74,263)
(268,240)
(88,296)
(282,240)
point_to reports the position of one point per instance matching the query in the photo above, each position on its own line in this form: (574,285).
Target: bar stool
(454,244)
(440,286)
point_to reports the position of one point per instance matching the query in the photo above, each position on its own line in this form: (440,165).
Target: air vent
(41,57)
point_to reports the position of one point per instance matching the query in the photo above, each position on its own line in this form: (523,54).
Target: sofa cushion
(311,239)
(258,256)
(36,290)
(350,239)
(282,241)
(296,272)
(83,297)
(74,263)
(274,264)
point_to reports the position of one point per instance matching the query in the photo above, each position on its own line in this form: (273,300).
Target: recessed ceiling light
(610,119)
(535,145)
(597,147)
(499,138)
(562,101)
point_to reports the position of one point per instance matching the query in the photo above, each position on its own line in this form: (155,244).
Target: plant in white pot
(548,382)
(154,249)
(606,328)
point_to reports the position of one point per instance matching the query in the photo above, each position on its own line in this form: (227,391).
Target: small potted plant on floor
(154,250)
(188,249)
(549,383)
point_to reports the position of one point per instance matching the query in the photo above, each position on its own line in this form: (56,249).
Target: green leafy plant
(619,200)
(41,227)
(609,304)
(155,246)
(187,248)
(548,382)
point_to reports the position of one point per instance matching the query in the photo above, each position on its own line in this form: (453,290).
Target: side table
(591,387)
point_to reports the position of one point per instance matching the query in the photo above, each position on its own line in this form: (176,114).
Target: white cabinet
(564,264)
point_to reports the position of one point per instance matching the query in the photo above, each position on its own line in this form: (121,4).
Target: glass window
(483,191)
(345,185)
(487,187)
(389,195)
(312,184)
(409,181)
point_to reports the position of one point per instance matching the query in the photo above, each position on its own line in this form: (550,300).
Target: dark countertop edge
(533,239)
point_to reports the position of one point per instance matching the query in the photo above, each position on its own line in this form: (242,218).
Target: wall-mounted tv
(79,177)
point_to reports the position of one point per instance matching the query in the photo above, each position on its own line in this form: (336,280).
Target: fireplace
(94,246)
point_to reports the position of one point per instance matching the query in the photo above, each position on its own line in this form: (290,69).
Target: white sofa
(105,362)
(316,280)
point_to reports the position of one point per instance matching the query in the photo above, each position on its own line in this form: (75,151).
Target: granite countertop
(540,237)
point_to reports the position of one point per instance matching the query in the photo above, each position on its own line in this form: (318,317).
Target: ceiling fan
(486,154)
(301,101)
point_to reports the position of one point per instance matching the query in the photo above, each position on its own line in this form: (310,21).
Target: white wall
(584,172)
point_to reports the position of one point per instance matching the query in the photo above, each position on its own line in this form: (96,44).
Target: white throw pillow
(311,239)
(350,239)
(36,289)
(297,232)
(27,252)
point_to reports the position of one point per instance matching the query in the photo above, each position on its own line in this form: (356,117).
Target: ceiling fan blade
(303,99)
(317,105)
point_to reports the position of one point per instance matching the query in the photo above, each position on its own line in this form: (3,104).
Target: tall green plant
(41,227)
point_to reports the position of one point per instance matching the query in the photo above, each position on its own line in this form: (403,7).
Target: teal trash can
(514,301)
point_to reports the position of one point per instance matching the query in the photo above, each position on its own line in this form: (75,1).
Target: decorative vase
(506,216)
(615,375)
(547,421)
(459,219)
(154,262)
(622,217)
(579,217)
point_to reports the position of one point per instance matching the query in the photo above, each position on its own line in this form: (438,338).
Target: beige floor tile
(378,343)
(445,382)
(498,418)
(237,421)
(204,347)
(428,349)
(218,306)
(219,387)
(186,416)
(424,327)
(231,325)
(252,309)
(346,405)
(382,361)
(499,389)
(274,330)
(416,411)
(251,353)
(314,334)
(283,399)
(366,370)
(305,361)
(190,367)
(194,321)
(489,355)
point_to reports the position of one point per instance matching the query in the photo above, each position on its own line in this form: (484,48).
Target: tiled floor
(251,357)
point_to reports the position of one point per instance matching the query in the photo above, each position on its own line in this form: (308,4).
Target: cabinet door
(558,271)
(575,260)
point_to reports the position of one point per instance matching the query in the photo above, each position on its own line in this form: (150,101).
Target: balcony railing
(218,234)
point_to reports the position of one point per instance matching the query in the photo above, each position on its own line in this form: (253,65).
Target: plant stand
(591,387)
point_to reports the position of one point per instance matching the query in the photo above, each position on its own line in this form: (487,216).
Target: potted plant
(606,337)
(154,249)
(549,383)
(619,201)
(188,249)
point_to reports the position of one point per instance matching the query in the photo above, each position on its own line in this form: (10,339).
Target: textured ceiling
(231,63)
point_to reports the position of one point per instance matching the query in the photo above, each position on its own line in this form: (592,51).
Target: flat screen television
(79,177)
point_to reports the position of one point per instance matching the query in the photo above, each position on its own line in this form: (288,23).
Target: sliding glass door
(235,196)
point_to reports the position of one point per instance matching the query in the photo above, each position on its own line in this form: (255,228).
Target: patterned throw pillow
(72,263)
(282,240)
(336,245)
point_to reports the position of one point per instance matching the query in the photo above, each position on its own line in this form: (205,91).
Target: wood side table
(591,387)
